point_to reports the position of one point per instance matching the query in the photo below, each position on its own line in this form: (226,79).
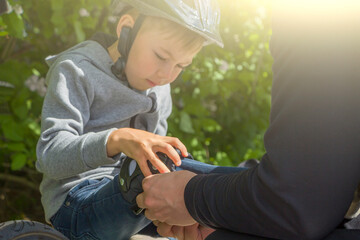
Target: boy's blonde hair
(189,40)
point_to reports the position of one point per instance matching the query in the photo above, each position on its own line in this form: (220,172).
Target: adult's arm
(306,180)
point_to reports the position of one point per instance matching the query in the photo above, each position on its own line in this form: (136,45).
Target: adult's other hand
(163,198)
(192,232)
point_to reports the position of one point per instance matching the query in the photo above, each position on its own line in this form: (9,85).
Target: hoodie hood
(95,48)
(95,52)
(86,51)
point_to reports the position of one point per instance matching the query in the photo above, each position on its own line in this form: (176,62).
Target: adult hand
(192,232)
(142,146)
(163,198)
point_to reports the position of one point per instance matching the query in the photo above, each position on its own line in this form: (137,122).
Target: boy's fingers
(144,168)
(172,154)
(179,145)
(157,163)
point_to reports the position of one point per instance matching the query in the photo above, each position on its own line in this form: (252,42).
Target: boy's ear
(125,21)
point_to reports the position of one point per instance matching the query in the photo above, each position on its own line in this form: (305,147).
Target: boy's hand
(142,146)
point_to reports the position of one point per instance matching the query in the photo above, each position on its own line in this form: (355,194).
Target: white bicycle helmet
(200,16)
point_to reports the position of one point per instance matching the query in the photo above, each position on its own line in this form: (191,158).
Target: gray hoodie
(84,103)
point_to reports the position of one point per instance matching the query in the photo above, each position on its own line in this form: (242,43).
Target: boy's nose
(165,74)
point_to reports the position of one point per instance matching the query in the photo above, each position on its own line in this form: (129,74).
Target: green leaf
(4,108)
(185,123)
(19,104)
(57,5)
(36,72)
(18,161)
(194,107)
(254,37)
(15,73)
(210,125)
(194,142)
(35,127)
(80,35)
(12,131)
(223,159)
(6,92)
(19,108)
(16,147)
(15,25)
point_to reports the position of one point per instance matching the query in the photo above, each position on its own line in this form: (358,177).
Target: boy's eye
(160,57)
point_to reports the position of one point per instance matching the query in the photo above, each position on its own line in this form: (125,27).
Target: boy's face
(155,60)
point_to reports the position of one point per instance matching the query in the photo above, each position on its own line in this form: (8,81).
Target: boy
(109,98)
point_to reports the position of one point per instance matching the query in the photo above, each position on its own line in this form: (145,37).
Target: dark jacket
(305,182)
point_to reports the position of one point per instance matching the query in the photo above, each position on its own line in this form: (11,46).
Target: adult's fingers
(165,230)
(192,232)
(179,232)
(149,216)
(140,200)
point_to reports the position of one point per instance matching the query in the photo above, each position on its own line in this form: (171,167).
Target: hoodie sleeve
(64,150)
(306,181)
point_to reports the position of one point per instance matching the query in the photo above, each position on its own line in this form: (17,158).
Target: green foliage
(29,32)
(221,107)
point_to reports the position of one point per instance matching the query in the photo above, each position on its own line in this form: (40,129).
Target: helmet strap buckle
(127,37)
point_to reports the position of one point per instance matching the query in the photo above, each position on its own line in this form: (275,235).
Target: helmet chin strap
(126,40)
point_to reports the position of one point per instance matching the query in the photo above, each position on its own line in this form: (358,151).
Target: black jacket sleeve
(306,180)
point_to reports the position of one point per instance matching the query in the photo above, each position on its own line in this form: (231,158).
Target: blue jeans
(96,210)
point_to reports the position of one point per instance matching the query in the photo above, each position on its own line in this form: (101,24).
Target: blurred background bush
(221,108)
